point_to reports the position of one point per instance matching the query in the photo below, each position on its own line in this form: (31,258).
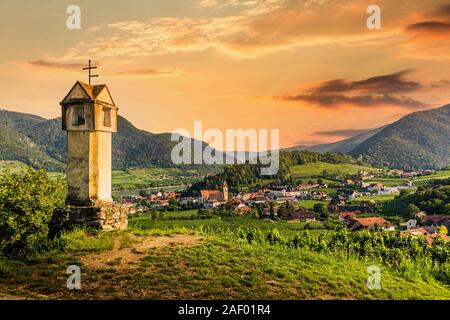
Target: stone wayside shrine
(89,116)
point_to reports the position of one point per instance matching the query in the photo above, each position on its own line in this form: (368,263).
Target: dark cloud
(442,12)
(436,21)
(345,133)
(334,100)
(430,26)
(386,84)
(371,92)
(440,84)
(56,65)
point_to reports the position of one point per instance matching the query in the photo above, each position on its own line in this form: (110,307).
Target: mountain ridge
(419,140)
(41,143)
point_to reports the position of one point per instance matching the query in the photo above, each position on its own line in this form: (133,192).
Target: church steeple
(225,190)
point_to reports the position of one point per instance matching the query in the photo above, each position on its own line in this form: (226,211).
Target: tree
(27,204)
(321,210)
(413,210)
(443,230)
(144,193)
(173,202)
(283,213)
(447,208)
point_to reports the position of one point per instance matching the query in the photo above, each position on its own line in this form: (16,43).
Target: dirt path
(4,296)
(122,258)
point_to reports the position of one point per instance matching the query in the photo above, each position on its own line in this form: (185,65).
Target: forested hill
(421,140)
(41,143)
(250,174)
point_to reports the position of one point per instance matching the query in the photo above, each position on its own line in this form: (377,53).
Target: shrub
(27,203)
(274,237)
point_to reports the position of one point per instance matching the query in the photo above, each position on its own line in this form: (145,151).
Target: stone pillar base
(112,217)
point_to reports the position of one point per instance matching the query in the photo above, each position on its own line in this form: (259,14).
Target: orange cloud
(429,36)
(262,27)
(55,65)
(144,72)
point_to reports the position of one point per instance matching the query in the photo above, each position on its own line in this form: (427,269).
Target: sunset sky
(310,68)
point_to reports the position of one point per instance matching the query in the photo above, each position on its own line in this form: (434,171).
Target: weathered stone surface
(89,116)
(113,217)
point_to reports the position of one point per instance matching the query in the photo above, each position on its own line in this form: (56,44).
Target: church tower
(89,116)
(225,191)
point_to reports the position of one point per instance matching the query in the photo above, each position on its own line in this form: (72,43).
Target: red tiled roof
(436,219)
(416,231)
(367,222)
(347,214)
(212,195)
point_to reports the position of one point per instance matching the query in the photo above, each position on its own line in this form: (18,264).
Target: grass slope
(316,169)
(220,266)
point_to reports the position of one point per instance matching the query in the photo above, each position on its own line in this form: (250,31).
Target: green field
(204,259)
(316,169)
(388,182)
(308,204)
(11,166)
(136,179)
(425,180)
(153,177)
(377,198)
(417,181)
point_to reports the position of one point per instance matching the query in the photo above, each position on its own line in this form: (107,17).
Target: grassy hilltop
(207,259)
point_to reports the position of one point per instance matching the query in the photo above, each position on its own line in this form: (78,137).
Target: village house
(350,194)
(238,203)
(258,199)
(293,192)
(364,175)
(307,186)
(267,211)
(388,190)
(408,184)
(410,224)
(436,221)
(160,202)
(347,182)
(347,215)
(276,192)
(430,233)
(187,200)
(242,210)
(282,200)
(420,215)
(169,194)
(362,184)
(302,215)
(375,187)
(420,231)
(317,195)
(356,224)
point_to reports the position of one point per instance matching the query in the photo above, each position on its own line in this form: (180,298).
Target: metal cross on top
(91,75)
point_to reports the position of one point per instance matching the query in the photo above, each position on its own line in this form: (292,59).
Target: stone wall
(113,217)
